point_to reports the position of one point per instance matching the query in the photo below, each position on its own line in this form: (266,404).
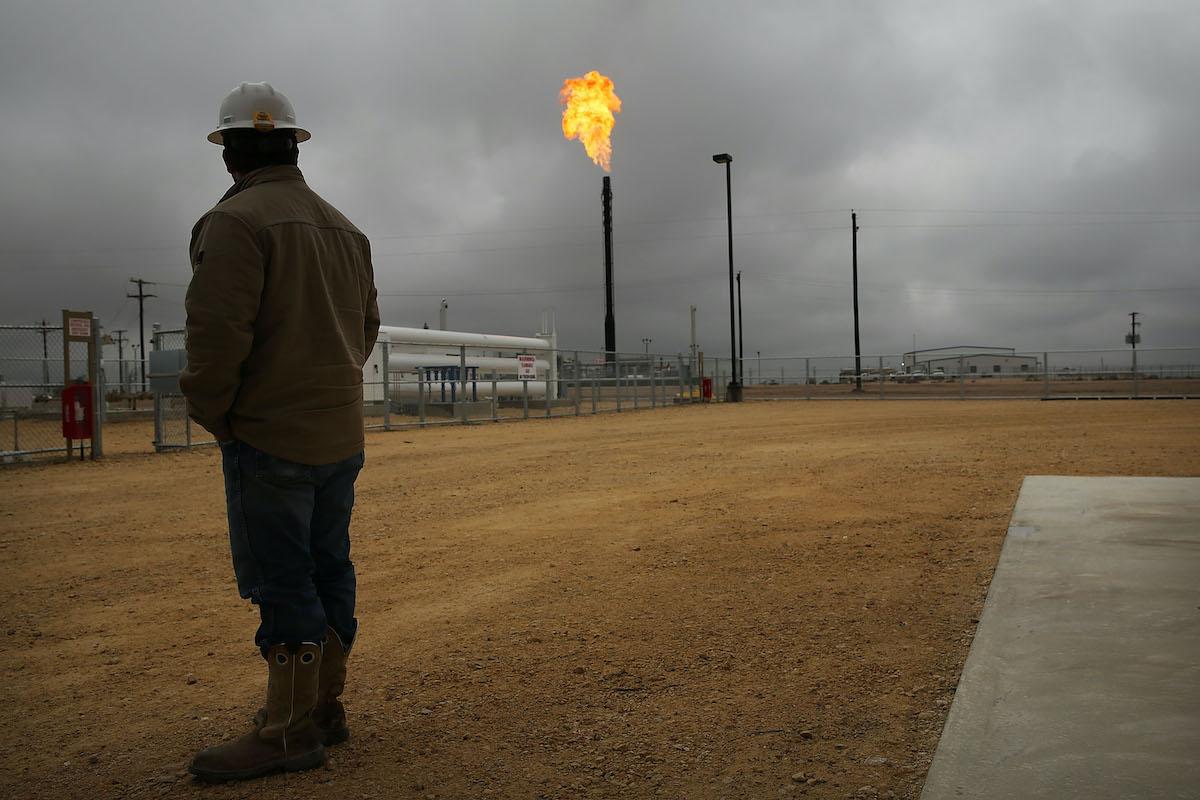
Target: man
(281,316)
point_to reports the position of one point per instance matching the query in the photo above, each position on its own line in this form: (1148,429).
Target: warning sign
(526,370)
(79,327)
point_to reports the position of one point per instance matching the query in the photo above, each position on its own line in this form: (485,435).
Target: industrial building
(971,360)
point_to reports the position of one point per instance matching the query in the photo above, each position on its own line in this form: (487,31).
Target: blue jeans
(289,532)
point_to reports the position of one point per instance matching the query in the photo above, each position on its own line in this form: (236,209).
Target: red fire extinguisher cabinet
(77,411)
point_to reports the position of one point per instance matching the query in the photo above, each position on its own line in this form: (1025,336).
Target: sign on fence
(79,328)
(526,370)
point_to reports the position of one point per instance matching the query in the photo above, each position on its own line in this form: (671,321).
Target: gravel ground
(765,600)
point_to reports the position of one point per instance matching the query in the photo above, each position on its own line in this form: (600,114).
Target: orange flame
(589,103)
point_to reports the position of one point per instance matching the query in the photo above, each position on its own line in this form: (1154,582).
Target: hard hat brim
(217,136)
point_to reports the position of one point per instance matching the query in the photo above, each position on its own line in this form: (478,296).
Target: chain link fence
(173,428)
(412,384)
(1048,375)
(466,384)
(33,372)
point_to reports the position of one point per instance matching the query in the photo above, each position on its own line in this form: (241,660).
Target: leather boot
(329,715)
(287,739)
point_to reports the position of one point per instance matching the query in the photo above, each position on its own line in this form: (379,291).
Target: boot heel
(334,736)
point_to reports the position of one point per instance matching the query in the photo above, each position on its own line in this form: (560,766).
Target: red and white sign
(79,327)
(526,369)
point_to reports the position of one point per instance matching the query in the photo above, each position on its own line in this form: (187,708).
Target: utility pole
(142,297)
(693,312)
(1132,339)
(741,339)
(120,336)
(854,266)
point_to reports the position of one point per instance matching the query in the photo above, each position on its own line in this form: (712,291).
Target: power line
(1169,217)
(1033,212)
(696,279)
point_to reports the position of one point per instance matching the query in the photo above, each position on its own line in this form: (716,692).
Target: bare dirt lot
(765,600)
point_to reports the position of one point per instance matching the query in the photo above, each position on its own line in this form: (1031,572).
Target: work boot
(329,715)
(287,740)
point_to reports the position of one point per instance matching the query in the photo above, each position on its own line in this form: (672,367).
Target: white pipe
(433,389)
(487,341)
(408,361)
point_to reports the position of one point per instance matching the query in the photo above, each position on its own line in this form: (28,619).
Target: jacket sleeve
(370,310)
(222,305)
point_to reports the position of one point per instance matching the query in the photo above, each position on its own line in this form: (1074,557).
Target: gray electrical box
(165,366)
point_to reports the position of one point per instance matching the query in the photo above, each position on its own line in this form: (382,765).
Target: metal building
(972,360)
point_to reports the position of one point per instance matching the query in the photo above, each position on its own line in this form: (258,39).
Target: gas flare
(589,103)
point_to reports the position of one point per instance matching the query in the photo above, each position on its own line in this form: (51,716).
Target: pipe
(412,387)
(487,341)
(411,361)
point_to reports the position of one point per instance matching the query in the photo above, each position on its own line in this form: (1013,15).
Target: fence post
(637,390)
(577,388)
(158,402)
(881,377)
(495,400)
(546,399)
(962,381)
(594,392)
(679,369)
(98,392)
(1135,373)
(462,380)
(387,393)
(421,395)
(807,386)
(653,390)
(525,399)
(1045,376)
(617,378)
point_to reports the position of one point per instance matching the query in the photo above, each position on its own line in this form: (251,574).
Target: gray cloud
(436,128)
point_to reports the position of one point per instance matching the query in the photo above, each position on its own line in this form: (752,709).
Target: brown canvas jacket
(281,316)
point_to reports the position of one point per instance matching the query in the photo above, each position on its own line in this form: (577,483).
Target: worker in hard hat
(281,316)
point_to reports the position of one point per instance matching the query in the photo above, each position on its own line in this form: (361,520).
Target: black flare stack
(610,325)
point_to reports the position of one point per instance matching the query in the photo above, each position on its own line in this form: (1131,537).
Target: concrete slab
(1083,680)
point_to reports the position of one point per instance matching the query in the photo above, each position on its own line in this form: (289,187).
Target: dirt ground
(764,600)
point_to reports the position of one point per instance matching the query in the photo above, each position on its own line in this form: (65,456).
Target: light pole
(758,355)
(734,391)
(741,335)
(646,340)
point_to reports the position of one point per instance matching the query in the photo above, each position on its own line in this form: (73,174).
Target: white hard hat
(256,106)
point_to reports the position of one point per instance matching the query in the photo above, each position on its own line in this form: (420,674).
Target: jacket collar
(287,172)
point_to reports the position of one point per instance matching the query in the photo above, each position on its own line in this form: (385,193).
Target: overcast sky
(1026,173)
